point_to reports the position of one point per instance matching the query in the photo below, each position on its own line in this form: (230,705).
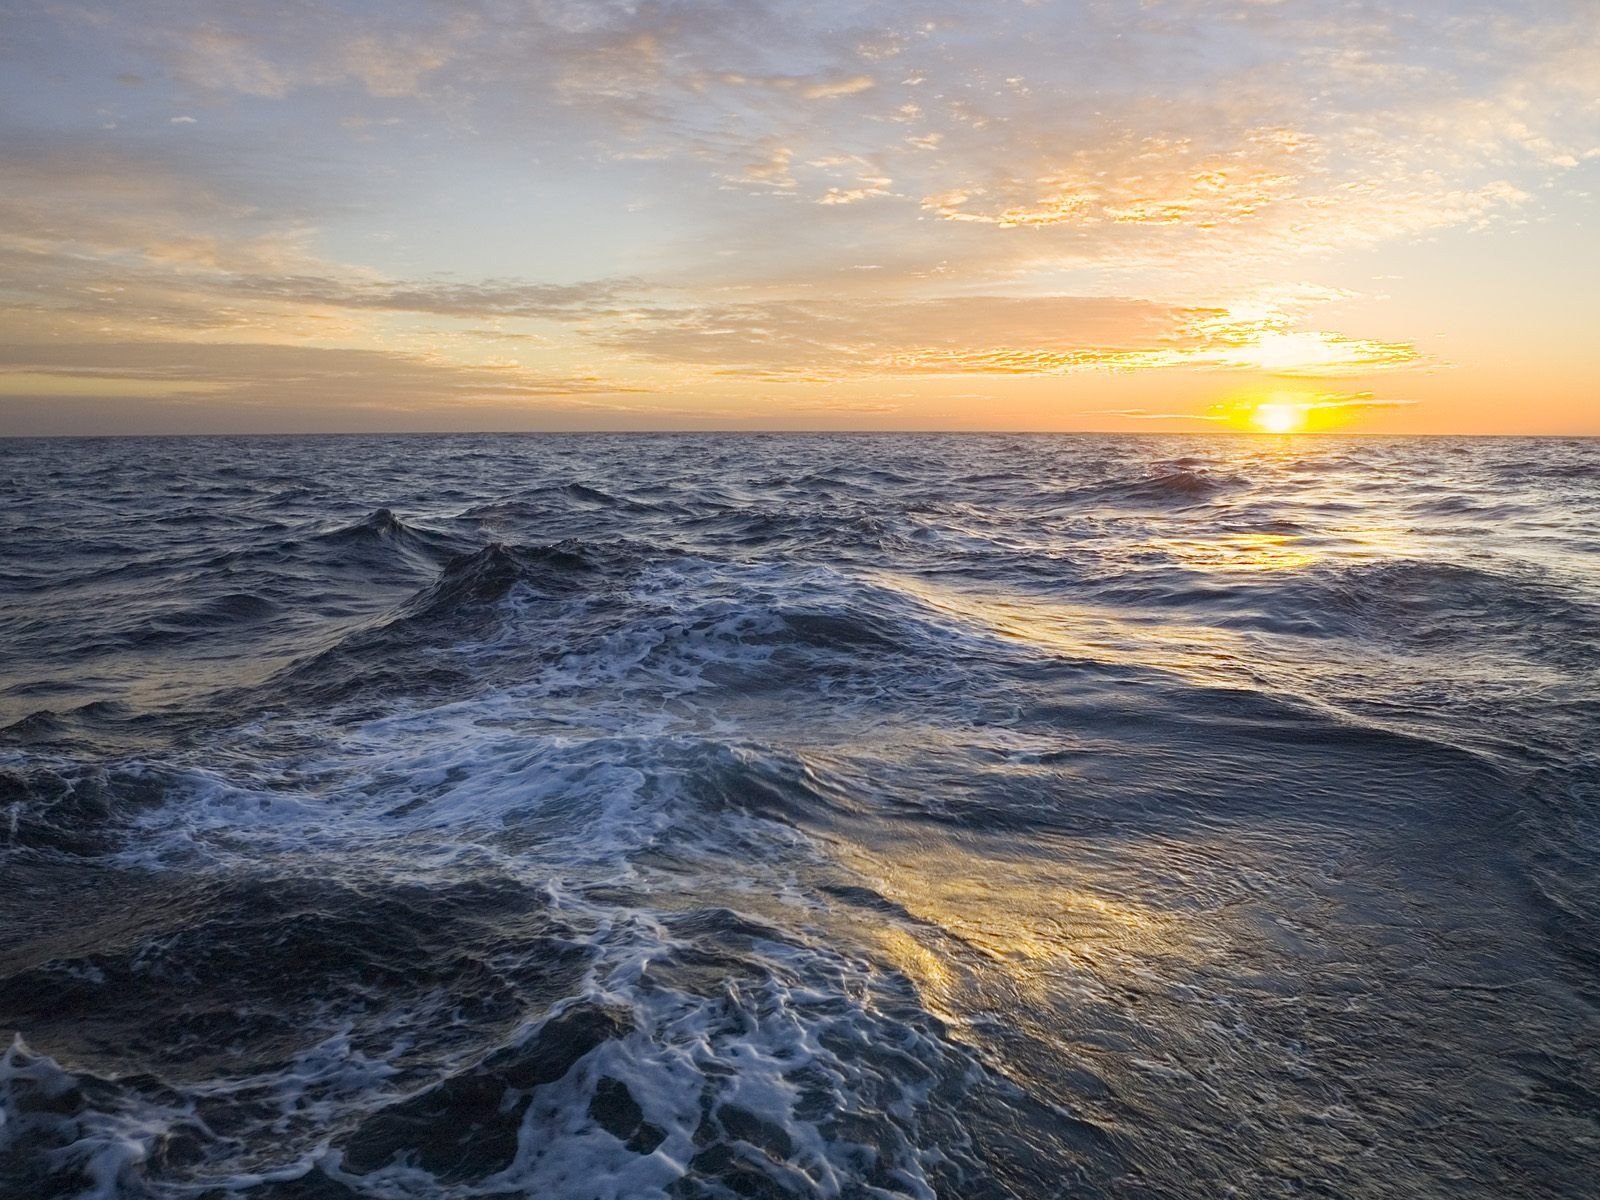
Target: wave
(70,809)
(539,503)
(706,1045)
(685,1039)
(1178,487)
(1430,603)
(595,610)
(226,613)
(380,523)
(1422,605)
(66,1134)
(382,528)
(489,574)
(392,651)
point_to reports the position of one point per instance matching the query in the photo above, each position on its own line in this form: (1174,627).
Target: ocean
(787,816)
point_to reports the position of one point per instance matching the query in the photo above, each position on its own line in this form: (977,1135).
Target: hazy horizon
(702,216)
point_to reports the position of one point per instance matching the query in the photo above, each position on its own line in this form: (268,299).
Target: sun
(1280,412)
(1278,417)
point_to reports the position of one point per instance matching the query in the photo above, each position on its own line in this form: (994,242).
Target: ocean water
(771,816)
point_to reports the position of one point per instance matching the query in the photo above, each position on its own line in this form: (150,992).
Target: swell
(383,527)
(600,1031)
(1420,588)
(685,839)
(1433,605)
(217,607)
(1182,484)
(472,580)
(392,652)
(70,809)
(1416,603)
(569,611)
(540,504)
(750,1061)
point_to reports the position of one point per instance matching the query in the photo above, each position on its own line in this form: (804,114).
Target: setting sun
(1279,418)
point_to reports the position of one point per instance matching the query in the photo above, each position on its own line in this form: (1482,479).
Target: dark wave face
(856,817)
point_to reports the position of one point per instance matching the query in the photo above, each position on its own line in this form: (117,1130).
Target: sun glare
(1279,418)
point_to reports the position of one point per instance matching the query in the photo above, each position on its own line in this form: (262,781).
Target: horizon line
(745,432)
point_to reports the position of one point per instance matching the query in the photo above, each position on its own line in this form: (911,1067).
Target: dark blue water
(785,816)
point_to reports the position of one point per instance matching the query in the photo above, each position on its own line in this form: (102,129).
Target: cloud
(92,196)
(253,51)
(835,195)
(1315,126)
(697,186)
(102,240)
(264,374)
(1145,414)
(213,57)
(994,335)
(770,168)
(1148,181)
(389,67)
(490,297)
(834,88)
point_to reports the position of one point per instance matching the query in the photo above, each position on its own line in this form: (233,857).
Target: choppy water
(799,816)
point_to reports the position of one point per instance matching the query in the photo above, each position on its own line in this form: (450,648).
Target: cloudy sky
(582,214)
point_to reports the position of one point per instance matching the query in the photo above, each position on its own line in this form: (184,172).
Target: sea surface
(792,816)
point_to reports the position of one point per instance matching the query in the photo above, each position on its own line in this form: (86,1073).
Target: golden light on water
(1247,552)
(1045,925)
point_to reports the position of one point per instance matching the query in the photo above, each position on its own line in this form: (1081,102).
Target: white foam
(562,780)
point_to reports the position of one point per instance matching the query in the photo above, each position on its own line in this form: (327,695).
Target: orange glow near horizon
(1282,413)
(1279,418)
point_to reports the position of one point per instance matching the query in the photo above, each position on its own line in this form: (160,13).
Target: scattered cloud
(257,374)
(834,88)
(995,335)
(722,189)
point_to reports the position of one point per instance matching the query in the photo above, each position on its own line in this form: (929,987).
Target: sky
(1128,215)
